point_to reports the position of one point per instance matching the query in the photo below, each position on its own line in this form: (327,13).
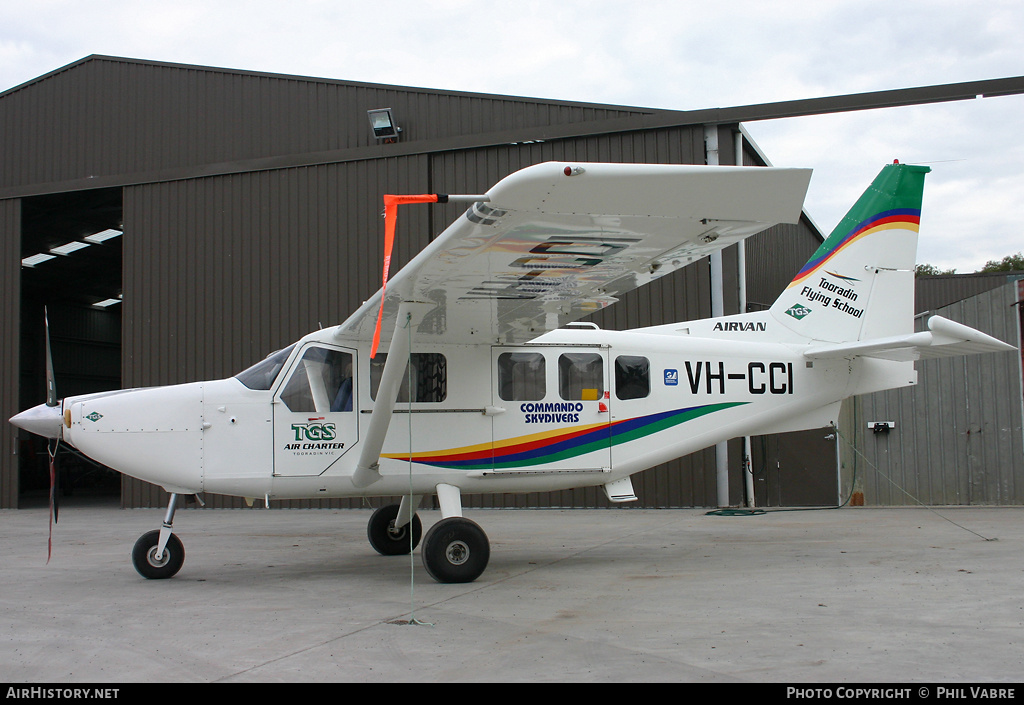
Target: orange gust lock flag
(391,204)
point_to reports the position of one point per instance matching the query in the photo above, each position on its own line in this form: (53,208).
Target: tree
(930,270)
(1010,263)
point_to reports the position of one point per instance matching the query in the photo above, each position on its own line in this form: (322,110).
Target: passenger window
(521,376)
(632,377)
(321,382)
(429,377)
(580,377)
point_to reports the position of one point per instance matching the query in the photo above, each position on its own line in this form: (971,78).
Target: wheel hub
(154,561)
(394,533)
(457,552)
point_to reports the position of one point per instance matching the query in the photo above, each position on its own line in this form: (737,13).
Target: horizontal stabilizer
(944,338)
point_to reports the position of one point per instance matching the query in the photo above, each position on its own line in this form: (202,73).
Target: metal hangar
(181,222)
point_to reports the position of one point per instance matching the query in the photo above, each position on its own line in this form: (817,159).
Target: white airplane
(487,386)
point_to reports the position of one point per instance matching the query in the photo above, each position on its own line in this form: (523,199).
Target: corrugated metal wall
(958,436)
(108,116)
(10,337)
(942,290)
(248,263)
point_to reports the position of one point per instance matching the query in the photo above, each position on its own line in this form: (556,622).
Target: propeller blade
(51,384)
(51,449)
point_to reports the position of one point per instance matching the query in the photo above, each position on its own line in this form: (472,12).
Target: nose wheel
(159,554)
(388,536)
(154,565)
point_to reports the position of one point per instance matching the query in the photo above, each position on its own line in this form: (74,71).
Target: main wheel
(144,556)
(455,550)
(386,539)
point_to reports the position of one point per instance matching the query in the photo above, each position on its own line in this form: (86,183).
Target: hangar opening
(71,270)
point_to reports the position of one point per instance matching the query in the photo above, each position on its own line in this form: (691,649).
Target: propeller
(47,421)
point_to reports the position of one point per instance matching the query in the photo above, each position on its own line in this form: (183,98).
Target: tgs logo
(314,431)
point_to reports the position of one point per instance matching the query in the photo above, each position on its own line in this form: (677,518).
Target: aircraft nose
(41,420)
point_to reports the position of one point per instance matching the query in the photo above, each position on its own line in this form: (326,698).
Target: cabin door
(550,409)
(315,411)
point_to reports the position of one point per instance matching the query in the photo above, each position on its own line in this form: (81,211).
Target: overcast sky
(665,54)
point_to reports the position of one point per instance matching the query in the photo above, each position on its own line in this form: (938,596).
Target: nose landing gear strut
(159,554)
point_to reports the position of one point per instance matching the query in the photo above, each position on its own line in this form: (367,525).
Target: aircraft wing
(556,241)
(944,338)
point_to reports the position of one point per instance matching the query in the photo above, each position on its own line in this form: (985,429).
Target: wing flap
(555,242)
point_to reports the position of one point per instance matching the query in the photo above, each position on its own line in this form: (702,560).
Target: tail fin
(859,284)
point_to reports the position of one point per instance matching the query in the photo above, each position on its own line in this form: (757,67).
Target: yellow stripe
(496,445)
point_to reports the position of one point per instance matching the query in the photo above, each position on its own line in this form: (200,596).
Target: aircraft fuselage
(578,407)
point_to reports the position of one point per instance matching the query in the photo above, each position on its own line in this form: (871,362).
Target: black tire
(148,566)
(456,550)
(385,539)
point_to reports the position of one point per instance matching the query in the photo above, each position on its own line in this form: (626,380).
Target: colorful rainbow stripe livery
(899,218)
(560,444)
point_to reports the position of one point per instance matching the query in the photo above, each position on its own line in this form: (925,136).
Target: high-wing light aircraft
(499,391)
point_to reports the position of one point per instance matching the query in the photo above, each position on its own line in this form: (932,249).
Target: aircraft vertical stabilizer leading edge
(859,284)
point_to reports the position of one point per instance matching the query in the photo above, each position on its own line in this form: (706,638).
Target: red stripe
(507,450)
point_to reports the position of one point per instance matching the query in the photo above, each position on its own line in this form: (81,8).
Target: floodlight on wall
(383,124)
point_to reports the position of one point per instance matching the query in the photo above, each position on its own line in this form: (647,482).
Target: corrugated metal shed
(942,290)
(134,121)
(116,120)
(958,436)
(250,207)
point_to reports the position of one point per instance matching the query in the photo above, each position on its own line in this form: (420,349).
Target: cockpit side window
(321,382)
(261,376)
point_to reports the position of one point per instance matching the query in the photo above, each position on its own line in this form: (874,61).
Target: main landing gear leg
(455,550)
(159,554)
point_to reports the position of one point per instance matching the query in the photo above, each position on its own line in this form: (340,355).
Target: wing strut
(410,313)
